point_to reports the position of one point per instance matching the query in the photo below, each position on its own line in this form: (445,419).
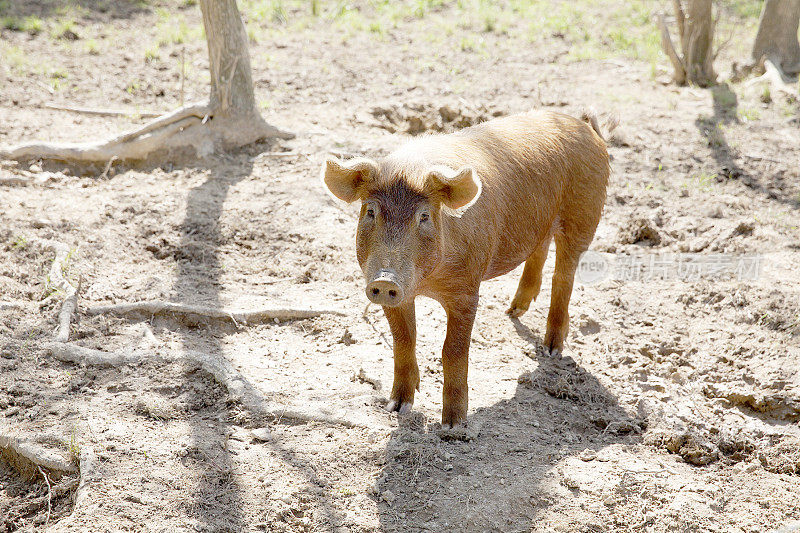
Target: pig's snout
(384,289)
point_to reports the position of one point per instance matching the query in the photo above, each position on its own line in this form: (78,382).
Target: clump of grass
(31,24)
(15,58)
(65,29)
(746,114)
(92,47)
(151,55)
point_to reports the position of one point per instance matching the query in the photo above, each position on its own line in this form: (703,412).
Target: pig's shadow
(500,480)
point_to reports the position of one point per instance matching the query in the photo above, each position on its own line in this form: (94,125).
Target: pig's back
(539,170)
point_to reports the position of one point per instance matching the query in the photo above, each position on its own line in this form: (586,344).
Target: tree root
(58,281)
(26,457)
(193,127)
(778,80)
(197,314)
(220,368)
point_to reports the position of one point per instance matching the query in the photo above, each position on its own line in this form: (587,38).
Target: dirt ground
(675,408)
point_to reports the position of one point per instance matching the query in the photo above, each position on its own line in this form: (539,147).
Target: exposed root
(778,80)
(27,457)
(194,127)
(197,314)
(223,372)
(58,281)
(49,495)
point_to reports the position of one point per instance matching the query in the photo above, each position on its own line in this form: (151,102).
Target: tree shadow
(503,479)
(725,103)
(100,9)
(219,498)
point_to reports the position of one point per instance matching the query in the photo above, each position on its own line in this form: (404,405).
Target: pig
(445,212)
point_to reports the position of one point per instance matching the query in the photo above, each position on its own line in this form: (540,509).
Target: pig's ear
(346,179)
(457,188)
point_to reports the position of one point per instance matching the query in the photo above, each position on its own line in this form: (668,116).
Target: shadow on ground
(726,104)
(506,478)
(219,498)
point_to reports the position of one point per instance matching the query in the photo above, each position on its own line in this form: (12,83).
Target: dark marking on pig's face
(398,242)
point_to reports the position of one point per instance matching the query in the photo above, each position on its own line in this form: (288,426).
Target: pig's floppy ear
(457,188)
(346,179)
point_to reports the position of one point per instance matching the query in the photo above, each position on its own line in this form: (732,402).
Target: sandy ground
(677,404)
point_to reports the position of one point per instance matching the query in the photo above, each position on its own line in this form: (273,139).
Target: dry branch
(101,112)
(220,368)
(198,314)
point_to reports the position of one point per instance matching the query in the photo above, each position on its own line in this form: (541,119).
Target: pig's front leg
(455,359)
(403,324)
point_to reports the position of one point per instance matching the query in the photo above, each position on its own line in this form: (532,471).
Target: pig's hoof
(555,353)
(459,431)
(515,312)
(402,408)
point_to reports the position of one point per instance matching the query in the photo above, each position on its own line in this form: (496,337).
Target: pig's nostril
(376,291)
(392,293)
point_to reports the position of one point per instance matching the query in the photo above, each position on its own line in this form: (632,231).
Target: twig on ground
(49,495)
(4,306)
(102,112)
(104,174)
(198,313)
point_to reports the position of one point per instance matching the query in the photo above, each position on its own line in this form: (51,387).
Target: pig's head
(399,238)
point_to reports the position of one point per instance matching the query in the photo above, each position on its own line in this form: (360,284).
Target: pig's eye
(370,212)
(424,217)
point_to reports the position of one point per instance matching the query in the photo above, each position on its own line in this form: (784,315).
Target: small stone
(262,434)
(588,455)
(448,467)
(388,496)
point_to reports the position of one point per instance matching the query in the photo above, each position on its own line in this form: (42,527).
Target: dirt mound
(415,118)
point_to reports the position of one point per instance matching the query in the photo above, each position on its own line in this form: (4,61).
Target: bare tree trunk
(776,38)
(230,118)
(696,33)
(232,100)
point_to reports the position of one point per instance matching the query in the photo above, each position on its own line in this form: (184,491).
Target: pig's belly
(502,267)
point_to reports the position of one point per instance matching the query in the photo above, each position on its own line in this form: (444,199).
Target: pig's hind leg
(531,281)
(569,248)
(403,323)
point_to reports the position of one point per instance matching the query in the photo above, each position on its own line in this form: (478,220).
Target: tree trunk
(696,34)
(697,43)
(229,120)
(776,38)
(232,100)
